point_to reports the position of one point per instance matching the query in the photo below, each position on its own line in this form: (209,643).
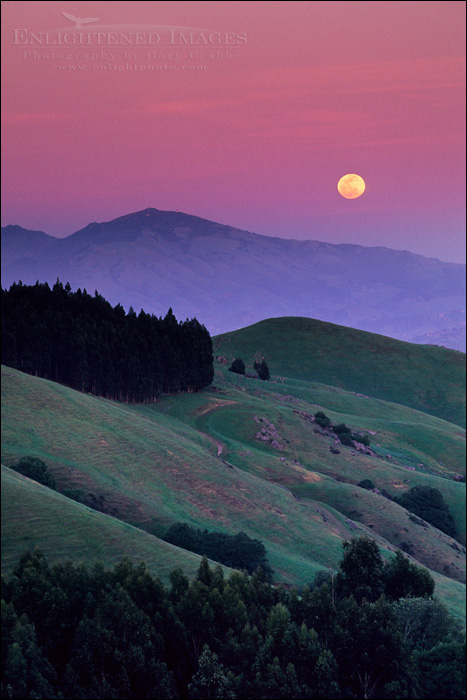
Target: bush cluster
(238,551)
(36,469)
(343,432)
(428,503)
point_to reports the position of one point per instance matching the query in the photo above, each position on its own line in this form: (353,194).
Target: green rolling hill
(426,377)
(242,455)
(152,475)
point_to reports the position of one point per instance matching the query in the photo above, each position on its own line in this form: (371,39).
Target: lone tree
(361,570)
(428,503)
(237,366)
(263,370)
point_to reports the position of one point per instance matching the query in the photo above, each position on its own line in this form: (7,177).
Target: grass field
(199,459)
(35,516)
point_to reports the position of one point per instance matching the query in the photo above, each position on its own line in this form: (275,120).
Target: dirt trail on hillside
(219,445)
(207,409)
(212,407)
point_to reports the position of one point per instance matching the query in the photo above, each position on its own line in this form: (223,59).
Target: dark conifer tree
(263,370)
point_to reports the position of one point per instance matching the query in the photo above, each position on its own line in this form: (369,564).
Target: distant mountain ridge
(229,278)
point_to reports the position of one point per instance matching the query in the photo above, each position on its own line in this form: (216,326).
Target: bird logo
(79,21)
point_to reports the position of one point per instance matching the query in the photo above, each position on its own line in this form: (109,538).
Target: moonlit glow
(351,186)
(252,134)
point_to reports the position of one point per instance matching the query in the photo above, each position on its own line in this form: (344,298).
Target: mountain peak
(229,278)
(165,224)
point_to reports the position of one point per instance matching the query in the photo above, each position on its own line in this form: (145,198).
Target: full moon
(351,186)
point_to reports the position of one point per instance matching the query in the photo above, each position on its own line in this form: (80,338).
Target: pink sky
(258,141)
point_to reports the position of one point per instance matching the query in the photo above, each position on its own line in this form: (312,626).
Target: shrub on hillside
(428,503)
(237,366)
(35,468)
(366,484)
(363,438)
(341,428)
(322,419)
(346,436)
(346,439)
(184,536)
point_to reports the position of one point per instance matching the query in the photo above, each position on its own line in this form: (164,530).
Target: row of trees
(82,341)
(260,366)
(74,632)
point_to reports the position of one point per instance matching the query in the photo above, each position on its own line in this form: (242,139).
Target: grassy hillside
(153,475)
(196,458)
(306,467)
(35,516)
(428,378)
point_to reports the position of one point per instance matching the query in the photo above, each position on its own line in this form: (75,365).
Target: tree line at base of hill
(83,342)
(237,551)
(78,632)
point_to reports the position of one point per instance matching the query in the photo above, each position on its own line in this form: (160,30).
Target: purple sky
(255,133)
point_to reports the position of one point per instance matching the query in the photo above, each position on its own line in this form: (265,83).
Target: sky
(245,113)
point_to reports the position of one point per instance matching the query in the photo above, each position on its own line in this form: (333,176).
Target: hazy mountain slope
(427,378)
(19,243)
(229,278)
